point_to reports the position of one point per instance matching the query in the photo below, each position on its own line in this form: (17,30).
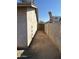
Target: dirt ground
(43,48)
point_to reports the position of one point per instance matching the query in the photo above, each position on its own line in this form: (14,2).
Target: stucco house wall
(26,25)
(31,24)
(21,27)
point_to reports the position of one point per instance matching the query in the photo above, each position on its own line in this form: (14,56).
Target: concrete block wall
(53,30)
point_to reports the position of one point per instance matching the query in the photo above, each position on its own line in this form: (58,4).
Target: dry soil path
(43,48)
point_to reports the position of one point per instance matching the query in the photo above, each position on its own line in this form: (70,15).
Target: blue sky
(48,5)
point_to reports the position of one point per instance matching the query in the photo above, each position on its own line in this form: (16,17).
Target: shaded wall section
(41,27)
(21,27)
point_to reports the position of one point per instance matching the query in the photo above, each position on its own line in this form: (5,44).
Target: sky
(44,6)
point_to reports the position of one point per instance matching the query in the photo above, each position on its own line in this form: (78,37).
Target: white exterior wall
(26,26)
(31,24)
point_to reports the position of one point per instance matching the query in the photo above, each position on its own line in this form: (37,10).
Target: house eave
(26,5)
